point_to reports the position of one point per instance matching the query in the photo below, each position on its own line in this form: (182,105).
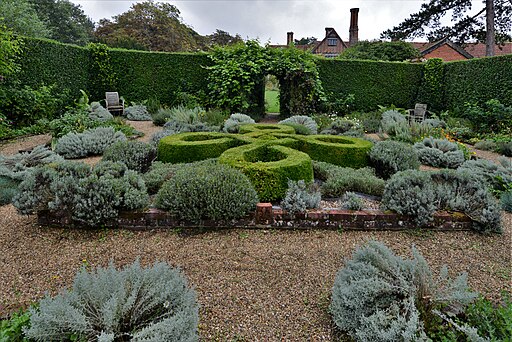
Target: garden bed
(369,219)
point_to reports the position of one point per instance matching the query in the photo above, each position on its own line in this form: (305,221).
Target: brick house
(332,44)
(449,51)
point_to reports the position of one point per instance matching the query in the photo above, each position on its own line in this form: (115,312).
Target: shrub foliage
(134,303)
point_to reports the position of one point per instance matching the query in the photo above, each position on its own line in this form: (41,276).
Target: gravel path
(252,284)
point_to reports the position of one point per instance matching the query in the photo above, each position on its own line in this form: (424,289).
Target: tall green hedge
(373,83)
(479,80)
(50,62)
(142,74)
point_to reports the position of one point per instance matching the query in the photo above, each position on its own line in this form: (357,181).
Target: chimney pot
(289,38)
(354,29)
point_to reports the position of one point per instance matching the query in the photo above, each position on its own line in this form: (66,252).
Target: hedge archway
(236,79)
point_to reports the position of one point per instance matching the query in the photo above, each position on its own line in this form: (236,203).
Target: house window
(330,55)
(332,41)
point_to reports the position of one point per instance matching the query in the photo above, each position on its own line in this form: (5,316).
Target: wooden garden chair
(113,103)
(419,113)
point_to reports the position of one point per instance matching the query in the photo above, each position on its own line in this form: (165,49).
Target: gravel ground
(252,284)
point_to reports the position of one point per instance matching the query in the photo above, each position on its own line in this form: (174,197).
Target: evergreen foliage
(301,196)
(74,190)
(506,201)
(372,83)
(378,296)
(91,142)
(352,201)
(233,123)
(106,304)
(420,194)
(136,155)
(214,192)
(497,177)
(432,87)
(302,120)
(19,165)
(388,157)
(338,180)
(395,51)
(439,153)
(8,189)
(137,113)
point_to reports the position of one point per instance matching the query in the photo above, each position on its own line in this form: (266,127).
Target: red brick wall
(445,52)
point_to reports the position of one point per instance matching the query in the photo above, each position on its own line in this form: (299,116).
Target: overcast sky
(269,20)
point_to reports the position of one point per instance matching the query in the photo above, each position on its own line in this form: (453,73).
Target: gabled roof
(329,31)
(478,49)
(446,41)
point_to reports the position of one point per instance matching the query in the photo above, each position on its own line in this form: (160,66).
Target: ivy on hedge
(432,87)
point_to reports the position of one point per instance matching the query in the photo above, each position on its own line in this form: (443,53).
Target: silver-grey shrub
(136,155)
(497,177)
(207,192)
(160,172)
(420,194)
(506,201)
(18,165)
(378,296)
(130,304)
(439,153)
(137,113)
(88,195)
(302,120)
(232,124)
(351,201)
(301,196)
(99,113)
(91,142)
(388,157)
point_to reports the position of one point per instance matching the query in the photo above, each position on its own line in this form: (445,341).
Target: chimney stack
(354,29)
(289,38)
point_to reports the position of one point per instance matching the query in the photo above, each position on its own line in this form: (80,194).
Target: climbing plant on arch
(268,154)
(236,78)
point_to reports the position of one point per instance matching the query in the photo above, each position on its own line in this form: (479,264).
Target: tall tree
(464,27)
(151,25)
(305,41)
(66,21)
(20,17)
(222,38)
(383,51)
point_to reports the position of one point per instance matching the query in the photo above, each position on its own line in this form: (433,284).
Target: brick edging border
(276,219)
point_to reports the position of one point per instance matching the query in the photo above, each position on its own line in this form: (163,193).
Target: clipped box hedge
(338,150)
(373,83)
(478,80)
(195,146)
(269,167)
(50,62)
(266,128)
(142,75)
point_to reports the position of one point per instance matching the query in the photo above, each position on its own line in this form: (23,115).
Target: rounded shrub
(207,192)
(506,201)
(233,123)
(131,304)
(269,167)
(136,155)
(337,150)
(266,128)
(420,194)
(388,157)
(302,120)
(8,188)
(379,296)
(91,142)
(194,146)
(137,113)
(439,153)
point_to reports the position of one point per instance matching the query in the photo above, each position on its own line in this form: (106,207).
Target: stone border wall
(271,218)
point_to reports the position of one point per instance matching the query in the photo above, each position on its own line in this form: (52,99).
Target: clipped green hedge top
(269,167)
(194,146)
(266,128)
